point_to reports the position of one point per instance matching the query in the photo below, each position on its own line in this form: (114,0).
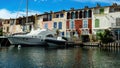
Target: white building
(106,18)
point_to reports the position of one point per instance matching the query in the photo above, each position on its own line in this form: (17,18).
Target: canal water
(77,57)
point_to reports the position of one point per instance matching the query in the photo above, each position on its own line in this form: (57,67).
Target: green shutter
(102,11)
(97,23)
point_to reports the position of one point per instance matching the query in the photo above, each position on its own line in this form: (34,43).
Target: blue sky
(10,8)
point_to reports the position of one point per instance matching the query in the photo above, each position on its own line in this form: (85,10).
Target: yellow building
(59,22)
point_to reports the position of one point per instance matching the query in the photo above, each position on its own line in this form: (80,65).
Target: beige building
(59,22)
(6,26)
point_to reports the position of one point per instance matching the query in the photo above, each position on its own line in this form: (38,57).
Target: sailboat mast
(26,11)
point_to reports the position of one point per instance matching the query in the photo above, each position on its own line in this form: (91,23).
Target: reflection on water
(38,57)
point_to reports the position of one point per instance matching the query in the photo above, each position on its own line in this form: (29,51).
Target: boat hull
(55,43)
(26,41)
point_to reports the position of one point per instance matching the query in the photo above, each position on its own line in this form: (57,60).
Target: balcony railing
(113,25)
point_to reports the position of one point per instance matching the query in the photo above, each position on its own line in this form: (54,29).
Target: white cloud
(102,1)
(6,14)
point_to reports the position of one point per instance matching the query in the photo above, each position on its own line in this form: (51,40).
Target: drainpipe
(118,35)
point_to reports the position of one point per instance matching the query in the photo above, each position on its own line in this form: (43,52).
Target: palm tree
(57,32)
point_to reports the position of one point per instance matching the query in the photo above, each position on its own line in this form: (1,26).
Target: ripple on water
(38,57)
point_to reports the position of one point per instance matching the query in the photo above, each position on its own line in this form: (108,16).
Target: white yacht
(35,37)
(44,37)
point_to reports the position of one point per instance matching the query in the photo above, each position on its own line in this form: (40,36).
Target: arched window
(55,25)
(68,15)
(60,25)
(76,14)
(97,24)
(85,14)
(80,14)
(72,15)
(89,13)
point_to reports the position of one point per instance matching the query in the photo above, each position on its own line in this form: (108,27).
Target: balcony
(113,25)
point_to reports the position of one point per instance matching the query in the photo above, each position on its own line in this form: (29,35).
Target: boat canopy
(41,32)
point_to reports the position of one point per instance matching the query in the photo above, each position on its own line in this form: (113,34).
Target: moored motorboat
(35,37)
(56,42)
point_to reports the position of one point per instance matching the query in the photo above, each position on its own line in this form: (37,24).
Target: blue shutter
(55,25)
(60,25)
(46,26)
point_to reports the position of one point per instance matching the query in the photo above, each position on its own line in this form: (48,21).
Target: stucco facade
(107,18)
(84,22)
(59,22)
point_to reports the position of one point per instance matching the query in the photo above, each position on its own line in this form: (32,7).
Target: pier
(4,41)
(82,44)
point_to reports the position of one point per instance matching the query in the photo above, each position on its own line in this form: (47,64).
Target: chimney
(86,7)
(72,9)
(63,11)
(45,12)
(51,11)
(98,5)
(114,4)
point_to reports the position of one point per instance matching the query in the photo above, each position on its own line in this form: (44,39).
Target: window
(68,15)
(72,15)
(76,14)
(85,24)
(24,28)
(72,24)
(85,14)
(114,9)
(97,23)
(49,17)
(7,29)
(80,14)
(117,21)
(111,10)
(46,26)
(67,25)
(61,15)
(57,15)
(3,28)
(62,34)
(45,18)
(68,34)
(60,25)
(96,11)
(12,22)
(49,35)
(30,27)
(89,13)
(101,10)
(55,25)
(117,9)
(20,21)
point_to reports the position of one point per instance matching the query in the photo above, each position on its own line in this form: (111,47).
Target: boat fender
(19,46)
